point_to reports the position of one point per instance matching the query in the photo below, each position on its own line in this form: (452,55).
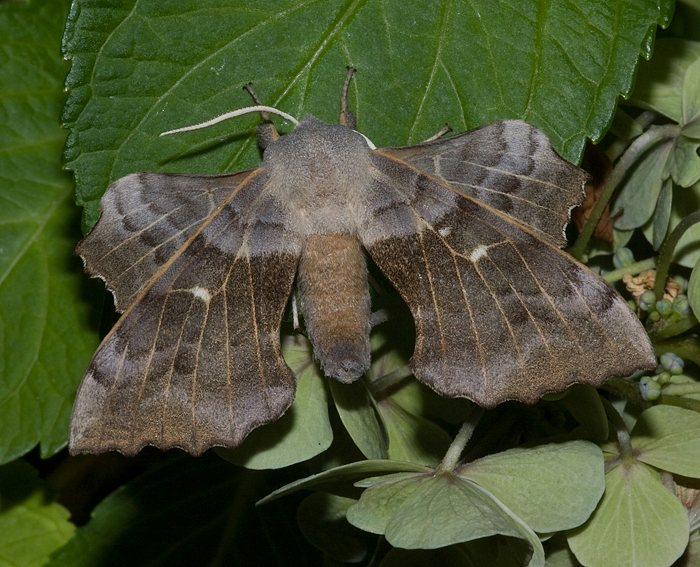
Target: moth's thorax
(317,170)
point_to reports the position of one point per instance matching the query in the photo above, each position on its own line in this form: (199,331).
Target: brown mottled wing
(500,313)
(146,217)
(509,165)
(195,360)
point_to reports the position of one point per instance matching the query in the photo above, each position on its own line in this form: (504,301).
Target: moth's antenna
(248,87)
(267,132)
(234,114)
(346,118)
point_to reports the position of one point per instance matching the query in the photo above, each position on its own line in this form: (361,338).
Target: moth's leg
(295,310)
(267,133)
(378,317)
(439,134)
(347,118)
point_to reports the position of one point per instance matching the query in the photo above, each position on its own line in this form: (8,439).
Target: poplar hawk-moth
(466,228)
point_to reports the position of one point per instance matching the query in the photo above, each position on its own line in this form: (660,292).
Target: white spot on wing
(478,253)
(201,293)
(445,231)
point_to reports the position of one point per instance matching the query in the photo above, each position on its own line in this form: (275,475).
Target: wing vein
(569,330)
(475,329)
(438,318)
(500,307)
(256,332)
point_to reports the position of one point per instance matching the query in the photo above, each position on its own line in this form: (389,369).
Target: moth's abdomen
(335,303)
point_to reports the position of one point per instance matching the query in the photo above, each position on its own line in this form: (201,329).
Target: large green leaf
(422,511)
(142,68)
(46,337)
(31,523)
(640,192)
(639,522)
(361,419)
(661,80)
(668,438)
(552,487)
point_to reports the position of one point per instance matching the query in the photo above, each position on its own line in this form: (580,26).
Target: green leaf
(691,100)
(359,415)
(304,431)
(32,525)
(412,438)
(583,403)
(46,335)
(684,162)
(660,85)
(640,191)
(382,499)
(685,202)
(427,511)
(691,557)
(668,438)
(175,515)
(343,475)
(322,520)
(662,215)
(639,522)
(694,290)
(552,487)
(141,68)
(559,554)
(418,399)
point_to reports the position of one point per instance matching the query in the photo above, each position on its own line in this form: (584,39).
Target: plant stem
(635,268)
(666,254)
(672,328)
(636,150)
(454,452)
(621,432)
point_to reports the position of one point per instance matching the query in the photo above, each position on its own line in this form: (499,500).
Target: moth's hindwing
(500,312)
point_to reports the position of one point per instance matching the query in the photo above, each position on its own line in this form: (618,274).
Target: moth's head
(318,150)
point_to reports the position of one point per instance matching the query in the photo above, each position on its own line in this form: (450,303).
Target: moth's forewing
(195,360)
(510,166)
(146,218)
(500,313)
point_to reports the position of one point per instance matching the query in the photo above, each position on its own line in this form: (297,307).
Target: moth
(468,229)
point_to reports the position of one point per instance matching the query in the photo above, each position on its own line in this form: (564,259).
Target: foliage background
(137,68)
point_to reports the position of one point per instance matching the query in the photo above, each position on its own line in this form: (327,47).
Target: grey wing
(509,165)
(145,219)
(195,360)
(500,314)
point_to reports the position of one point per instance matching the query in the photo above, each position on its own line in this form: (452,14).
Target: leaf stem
(635,268)
(666,253)
(681,389)
(454,452)
(635,151)
(621,432)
